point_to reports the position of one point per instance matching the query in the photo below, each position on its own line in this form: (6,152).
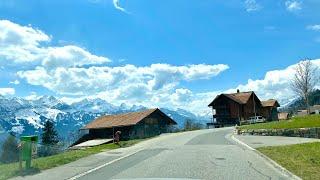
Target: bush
(10,150)
(190,125)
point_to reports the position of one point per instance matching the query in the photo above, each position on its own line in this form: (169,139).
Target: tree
(304,81)
(188,125)
(49,134)
(10,150)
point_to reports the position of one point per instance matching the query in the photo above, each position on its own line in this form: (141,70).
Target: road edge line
(272,162)
(102,166)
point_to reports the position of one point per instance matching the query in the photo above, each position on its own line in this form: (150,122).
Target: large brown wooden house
(231,109)
(141,124)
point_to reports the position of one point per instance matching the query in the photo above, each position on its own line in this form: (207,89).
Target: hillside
(299,103)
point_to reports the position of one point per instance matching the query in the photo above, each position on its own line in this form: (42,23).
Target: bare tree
(304,80)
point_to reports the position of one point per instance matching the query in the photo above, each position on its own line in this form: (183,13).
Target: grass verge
(301,159)
(296,122)
(11,170)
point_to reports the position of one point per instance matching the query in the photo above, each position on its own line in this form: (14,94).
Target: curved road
(205,154)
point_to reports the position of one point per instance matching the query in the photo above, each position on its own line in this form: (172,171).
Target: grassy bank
(296,122)
(11,170)
(301,159)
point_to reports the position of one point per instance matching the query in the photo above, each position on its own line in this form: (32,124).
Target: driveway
(262,141)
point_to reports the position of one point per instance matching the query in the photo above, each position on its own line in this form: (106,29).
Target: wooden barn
(231,109)
(270,109)
(142,124)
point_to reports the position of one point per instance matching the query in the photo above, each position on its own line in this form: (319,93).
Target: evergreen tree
(10,150)
(49,134)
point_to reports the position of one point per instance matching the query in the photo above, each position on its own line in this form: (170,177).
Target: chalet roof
(242,97)
(239,97)
(270,103)
(127,119)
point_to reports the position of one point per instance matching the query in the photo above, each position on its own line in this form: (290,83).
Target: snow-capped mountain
(24,117)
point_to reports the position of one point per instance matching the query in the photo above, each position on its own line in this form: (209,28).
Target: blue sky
(248,37)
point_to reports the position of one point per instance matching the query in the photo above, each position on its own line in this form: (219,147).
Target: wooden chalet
(270,109)
(231,109)
(142,124)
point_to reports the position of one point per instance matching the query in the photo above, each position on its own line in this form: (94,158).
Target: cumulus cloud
(181,96)
(32,96)
(15,82)
(315,27)
(275,84)
(293,5)
(20,43)
(25,44)
(116,4)
(73,71)
(252,5)
(83,81)
(7,91)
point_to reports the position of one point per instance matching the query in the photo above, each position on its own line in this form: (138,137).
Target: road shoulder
(277,166)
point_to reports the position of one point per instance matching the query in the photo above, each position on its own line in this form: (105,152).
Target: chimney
(238,91)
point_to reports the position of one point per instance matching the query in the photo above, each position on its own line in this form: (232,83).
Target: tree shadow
(28,172)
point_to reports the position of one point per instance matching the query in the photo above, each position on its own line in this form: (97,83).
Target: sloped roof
(270,103)
(240,97)
(126,119)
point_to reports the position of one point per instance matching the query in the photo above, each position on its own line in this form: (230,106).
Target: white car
(257,119)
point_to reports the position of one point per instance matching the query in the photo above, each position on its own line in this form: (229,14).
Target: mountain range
(20,116)
(299,104)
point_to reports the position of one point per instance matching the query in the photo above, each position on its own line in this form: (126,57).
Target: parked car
(257,119)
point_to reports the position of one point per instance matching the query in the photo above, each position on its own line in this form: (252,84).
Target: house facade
(270,109)
(142,124)
(231,109)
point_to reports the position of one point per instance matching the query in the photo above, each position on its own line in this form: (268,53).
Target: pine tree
(49,134)
(10,150)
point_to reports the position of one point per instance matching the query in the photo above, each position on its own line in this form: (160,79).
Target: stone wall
(298,132)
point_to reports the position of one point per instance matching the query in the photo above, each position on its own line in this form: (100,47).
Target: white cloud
(154,85)
(7,91)
(293,5)
(252,5)
(315,27)
(70,56)
(276,84)
(16,82)
(21,44)
(72,71)
(32,96)
(84,81)
(116,4)
(181,95)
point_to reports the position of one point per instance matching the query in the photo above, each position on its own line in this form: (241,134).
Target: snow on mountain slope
(26,117)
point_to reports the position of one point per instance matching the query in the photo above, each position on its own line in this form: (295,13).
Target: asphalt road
(206,154)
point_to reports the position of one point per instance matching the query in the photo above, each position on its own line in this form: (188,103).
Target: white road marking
(103,165)
(271,162)
(242,143)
